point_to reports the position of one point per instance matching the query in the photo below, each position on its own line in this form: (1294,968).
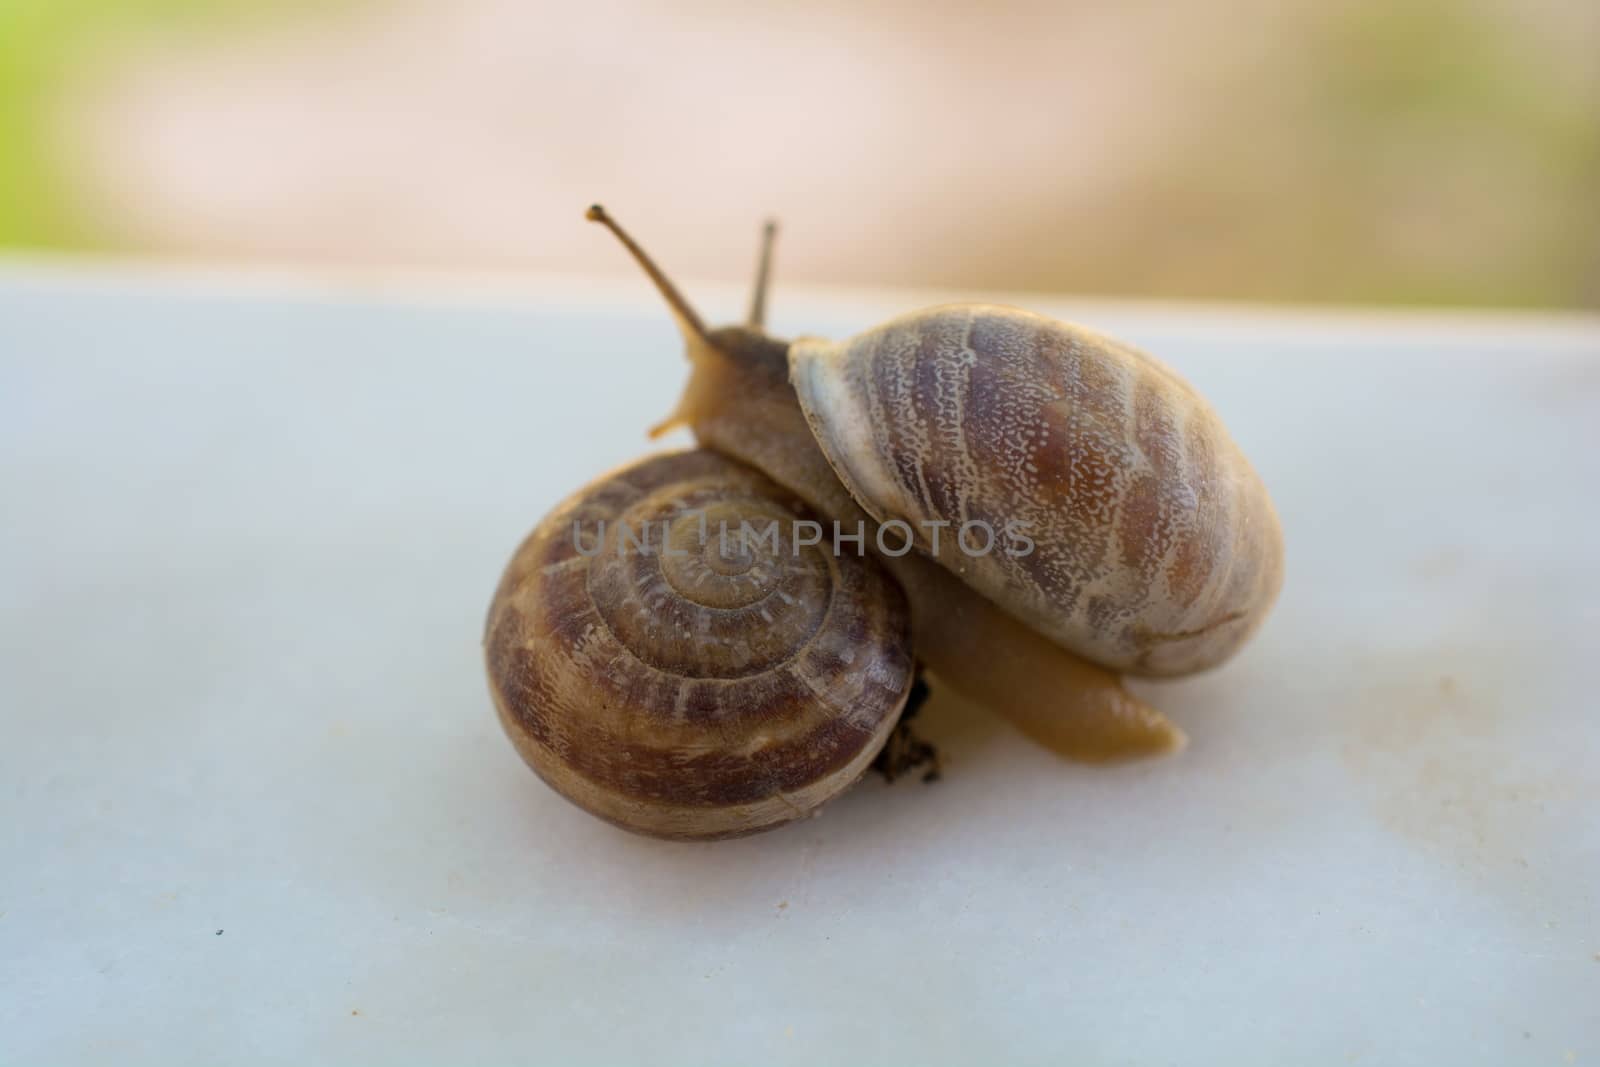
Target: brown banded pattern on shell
(1154,546)
(681,683)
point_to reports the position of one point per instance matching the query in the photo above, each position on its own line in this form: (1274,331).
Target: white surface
(247,546)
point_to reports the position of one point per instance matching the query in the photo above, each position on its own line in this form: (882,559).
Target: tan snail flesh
(1157,548)
(680,683)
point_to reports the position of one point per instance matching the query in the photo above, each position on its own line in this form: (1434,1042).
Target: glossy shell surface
(683,683)
(1103,501)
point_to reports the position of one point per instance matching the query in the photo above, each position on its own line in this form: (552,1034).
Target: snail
(680,681)
(1156,549)
(703,689)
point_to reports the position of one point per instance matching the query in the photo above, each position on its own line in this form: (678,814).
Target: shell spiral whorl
(683,682)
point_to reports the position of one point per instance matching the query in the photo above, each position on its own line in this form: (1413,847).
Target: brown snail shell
(684,684)
(1147,544)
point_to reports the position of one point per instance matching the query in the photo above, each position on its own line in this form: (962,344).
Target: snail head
(736,373)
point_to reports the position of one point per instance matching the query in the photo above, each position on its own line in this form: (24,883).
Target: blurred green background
(1409,152)
(45,46)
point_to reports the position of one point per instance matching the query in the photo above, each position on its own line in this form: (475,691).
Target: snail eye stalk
(685,313)
(758,298)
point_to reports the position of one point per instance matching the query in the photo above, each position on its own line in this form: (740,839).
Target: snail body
(682,683)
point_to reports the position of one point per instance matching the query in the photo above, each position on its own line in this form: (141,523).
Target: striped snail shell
(1152,546)
(682,683)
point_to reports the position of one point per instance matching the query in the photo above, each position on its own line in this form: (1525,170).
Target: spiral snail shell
(1153,547)
(677,678)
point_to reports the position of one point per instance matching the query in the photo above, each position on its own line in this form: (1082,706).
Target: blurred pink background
(1409,152)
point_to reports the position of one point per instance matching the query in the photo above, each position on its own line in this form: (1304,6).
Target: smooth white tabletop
(255,806)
